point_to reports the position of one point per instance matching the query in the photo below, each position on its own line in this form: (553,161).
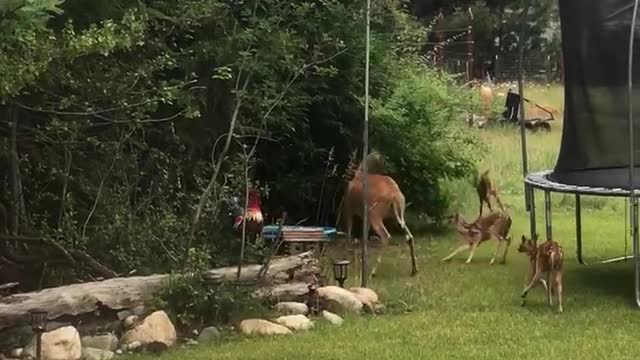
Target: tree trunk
(13,161)
(119,294)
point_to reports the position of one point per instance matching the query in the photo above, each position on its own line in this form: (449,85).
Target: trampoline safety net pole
(523,136)
(365,153)
(633,201)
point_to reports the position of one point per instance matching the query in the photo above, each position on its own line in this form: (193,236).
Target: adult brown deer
(495,225)
(385,200)
(544,258)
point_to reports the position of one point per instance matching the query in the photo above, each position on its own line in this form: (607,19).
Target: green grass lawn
(460,311)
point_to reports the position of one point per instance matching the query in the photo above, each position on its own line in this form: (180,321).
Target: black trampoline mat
(611,178)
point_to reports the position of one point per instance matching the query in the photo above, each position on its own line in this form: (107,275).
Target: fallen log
(296,291)
(124,293)
(250,272)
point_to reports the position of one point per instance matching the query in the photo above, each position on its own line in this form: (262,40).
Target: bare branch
(65,184)
(94,264)
(101,111)
(243,240)
(16,191)
(138,121)
(282,94)
(95,203)
(108,121)
(207,191)
(83,113)
(230,134)
(104,178)
(38,240)
(72,257)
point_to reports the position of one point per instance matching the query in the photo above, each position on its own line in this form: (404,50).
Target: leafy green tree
(129,122)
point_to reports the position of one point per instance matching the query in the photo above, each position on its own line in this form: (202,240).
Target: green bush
(421,132)
(193,303)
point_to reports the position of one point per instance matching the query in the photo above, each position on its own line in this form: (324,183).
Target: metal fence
(454,50)
(504,68)
(536,67)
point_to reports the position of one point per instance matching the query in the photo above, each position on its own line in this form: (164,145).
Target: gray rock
(339,300)
(156,327)
(209,334)
(60,344)
(16,353)
(119,352)
(134,345)
(104,342)
(262,327)
(130,321)
(89,353)
(138,310)
(295,322)
(292,308)
(332,318)
(190,342)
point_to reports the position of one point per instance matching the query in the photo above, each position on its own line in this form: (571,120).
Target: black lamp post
(313,302)
(340,272)
(38,326)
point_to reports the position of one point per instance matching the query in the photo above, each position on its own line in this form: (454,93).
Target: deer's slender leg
(474,246)
(488,200)
(349,219)
(499,242)
(558,285)
(386,233)
(495,196)
(536,277)
(506,249)
(460,248)
(399,212)
(550,283)
(382,232)
(414,261)
(409,237)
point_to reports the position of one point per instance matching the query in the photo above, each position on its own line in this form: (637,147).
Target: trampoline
(598,154)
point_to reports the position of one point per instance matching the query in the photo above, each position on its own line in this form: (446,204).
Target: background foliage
(120,111)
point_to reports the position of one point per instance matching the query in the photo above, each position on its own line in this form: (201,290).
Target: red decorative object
(254,218)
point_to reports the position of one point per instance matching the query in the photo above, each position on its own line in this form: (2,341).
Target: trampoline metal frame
(540,180)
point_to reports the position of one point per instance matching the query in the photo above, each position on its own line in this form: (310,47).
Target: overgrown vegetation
(123,125)
(456,307)
(193,303)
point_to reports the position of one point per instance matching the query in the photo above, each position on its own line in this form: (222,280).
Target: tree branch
(72,257)
(207,191)
(98,114)
(15,186)
(101,111)
(243,241)
(230,134)
(95,203)
(65,185)
(104,178)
